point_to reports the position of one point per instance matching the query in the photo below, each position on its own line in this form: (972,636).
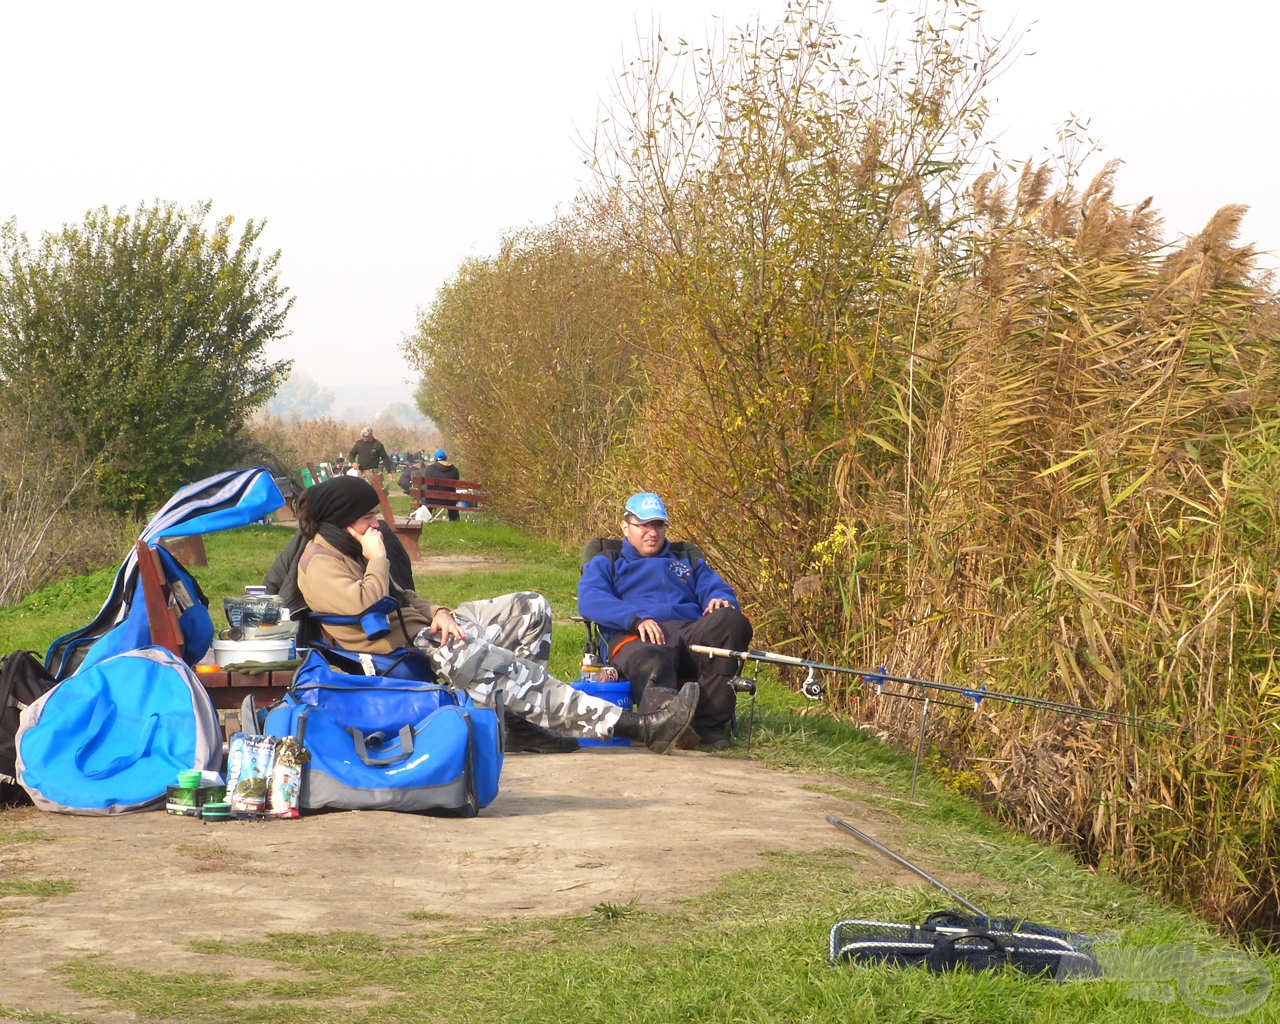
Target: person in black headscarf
(482,647)
(282,578)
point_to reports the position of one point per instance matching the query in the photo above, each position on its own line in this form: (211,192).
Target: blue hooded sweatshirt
(617,594)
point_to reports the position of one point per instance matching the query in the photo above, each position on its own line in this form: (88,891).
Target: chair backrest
(596,546)
(612,546)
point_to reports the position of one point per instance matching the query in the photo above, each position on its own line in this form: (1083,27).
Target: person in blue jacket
(653,600)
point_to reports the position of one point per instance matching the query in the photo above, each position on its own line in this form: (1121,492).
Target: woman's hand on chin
(371,545)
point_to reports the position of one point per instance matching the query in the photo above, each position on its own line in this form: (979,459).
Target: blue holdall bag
(385,742)
(114,736)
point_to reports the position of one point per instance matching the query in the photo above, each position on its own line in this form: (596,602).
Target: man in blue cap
(653,599)
(442,469)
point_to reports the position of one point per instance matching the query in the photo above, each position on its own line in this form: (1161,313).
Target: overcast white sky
(385,142)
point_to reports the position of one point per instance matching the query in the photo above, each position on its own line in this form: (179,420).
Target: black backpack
(23,680)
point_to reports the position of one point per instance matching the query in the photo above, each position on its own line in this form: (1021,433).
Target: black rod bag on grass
(949,942)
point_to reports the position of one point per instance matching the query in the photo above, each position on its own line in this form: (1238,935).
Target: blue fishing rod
(813,688)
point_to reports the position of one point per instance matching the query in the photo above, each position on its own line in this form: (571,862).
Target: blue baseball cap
(646,507)
(440,455)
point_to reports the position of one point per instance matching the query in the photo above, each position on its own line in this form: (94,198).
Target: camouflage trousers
(506,651)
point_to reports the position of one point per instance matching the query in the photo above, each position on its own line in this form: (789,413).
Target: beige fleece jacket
(334,584)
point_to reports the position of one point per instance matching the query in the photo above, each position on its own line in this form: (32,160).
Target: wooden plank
(286,513)
(406,532)
(228,690)
(161,617)
(187,550)
(458,495)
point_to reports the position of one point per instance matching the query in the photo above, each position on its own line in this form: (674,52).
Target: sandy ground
(567,831)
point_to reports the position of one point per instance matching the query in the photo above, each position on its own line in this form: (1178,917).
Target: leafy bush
(527,359)
(143,336)
(50,526)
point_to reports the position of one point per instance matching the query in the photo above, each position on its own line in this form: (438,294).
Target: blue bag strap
(373,620)
(100,725)
(359,684)
(406,748)
(340,658)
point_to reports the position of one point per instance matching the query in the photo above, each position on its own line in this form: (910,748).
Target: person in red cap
(653,599)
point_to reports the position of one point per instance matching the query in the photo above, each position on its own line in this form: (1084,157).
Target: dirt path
(430,565)
(566,832)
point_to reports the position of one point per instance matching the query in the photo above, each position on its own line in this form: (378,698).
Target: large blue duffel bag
(388,743)
(114,736)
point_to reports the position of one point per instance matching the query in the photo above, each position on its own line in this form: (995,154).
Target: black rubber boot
(523,737)
(658,729)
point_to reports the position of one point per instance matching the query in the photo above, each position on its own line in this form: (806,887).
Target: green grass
(752,950)
(8,1013)
(20,835)
(40,618)
(36,887)
(39,888)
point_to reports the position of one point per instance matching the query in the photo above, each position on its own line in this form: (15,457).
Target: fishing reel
(743,684)
(813,687)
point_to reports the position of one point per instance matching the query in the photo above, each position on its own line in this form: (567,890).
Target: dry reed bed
(987,428)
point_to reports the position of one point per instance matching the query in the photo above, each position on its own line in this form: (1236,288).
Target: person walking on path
(369,456)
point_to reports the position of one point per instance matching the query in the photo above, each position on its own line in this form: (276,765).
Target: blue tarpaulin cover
(223,501)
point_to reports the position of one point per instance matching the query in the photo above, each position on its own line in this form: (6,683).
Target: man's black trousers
(656,670)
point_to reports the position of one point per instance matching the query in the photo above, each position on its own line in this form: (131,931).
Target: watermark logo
(1213,983)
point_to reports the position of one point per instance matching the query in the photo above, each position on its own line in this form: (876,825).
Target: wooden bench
(406,529)
(440,496)
(465,493)
(226,689)
(445,496)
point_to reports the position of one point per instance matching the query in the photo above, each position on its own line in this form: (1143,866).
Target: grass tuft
(40,887)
